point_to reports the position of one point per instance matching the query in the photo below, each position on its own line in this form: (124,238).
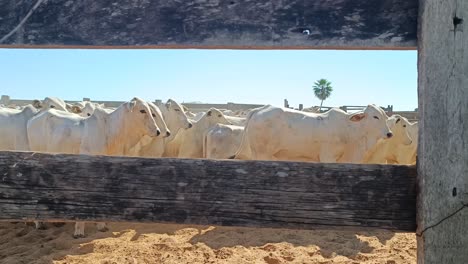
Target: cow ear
(37,104)
(357,117)
(131,105)
(209,113)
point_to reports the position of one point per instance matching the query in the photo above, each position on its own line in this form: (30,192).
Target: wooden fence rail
(37,186)
(242,24)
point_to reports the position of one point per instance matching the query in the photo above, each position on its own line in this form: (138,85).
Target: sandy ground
(163,243)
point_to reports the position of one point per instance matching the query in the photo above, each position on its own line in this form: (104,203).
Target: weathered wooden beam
(443,144)
(237,24)
(240,193)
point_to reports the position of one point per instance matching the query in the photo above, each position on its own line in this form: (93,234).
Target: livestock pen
(430,200)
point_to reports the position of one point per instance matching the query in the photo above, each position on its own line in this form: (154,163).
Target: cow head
(217,117)
(400,127)
(54,103)
(158,118)
(88,109)
(176,114)
(374,120)
(141,118)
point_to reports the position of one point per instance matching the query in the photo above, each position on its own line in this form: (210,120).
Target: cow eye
(376,117)
(89,114)
(52,106)
(219,115)
(143,111)
(153,115)
(177,110)
(404,125)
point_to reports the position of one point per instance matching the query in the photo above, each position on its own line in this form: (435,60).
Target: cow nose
(190,125)
(168,133)
(158,132)
(390,134)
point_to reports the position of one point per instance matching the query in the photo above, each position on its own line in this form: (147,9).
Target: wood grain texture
(227,192)
(443,143)
(241,24)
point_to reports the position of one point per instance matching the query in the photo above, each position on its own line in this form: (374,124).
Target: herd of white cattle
(140,128)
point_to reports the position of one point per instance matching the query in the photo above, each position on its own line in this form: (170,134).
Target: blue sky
(212,76)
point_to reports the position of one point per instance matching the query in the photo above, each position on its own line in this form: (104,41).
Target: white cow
(147,146)
(13,123)
(386,151)
(51,102)
(153,147)
(175,118)
(56,132)
(191,144)
(115,134)
(222,141)
(177,121)
(13,128)
(274,133)
(85,108)
(407,154)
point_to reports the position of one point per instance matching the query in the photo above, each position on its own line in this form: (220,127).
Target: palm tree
(322,90)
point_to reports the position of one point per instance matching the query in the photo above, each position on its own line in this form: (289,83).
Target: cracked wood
(242,24)
(233,193)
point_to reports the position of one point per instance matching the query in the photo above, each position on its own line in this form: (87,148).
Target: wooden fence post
(443,146)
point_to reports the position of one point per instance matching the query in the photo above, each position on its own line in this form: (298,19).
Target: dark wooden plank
(443,144)
(239,24)
(228,192)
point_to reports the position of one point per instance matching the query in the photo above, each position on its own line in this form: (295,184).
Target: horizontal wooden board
(232,24)
(35,186)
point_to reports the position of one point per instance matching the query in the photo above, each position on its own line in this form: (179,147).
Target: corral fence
(412,116)
(254,193)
